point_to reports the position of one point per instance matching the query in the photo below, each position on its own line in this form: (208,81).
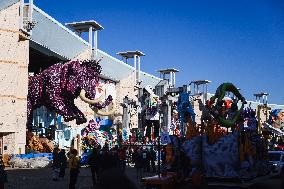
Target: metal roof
(119,70)
(57,39)
(6,3)
(148,79)
(84,26)
(52,35)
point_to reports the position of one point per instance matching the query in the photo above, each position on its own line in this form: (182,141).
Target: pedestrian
(105,156)
(114,178)
(153,159)
(74,165)
(63,163)
(133,154)
(3,174)
(163,155)
(55,164)
(282,177)
(139,164)
(114,155)
(146,161)
(94,164)
(122,158)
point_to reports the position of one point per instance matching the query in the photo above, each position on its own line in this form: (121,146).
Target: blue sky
(223,41)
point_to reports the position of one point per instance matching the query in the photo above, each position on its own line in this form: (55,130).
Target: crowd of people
(59,165)
(143,160)
(103,158)
(107,164)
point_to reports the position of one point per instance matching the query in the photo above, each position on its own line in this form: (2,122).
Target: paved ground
(41,179)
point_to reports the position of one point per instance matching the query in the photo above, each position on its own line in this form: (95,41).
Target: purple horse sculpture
(57,87)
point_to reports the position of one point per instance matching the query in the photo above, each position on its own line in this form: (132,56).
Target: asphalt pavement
(42,179)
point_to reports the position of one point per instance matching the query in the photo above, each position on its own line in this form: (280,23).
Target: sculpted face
(276,118)
(280,116)
(88,72)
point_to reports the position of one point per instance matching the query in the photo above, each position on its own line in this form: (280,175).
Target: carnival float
(227,148)
(55,89)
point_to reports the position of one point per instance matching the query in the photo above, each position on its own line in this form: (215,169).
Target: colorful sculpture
(276,118)
(226,119)
(58,86)
(184,106)
(92,135)
(250,120)
(90,128)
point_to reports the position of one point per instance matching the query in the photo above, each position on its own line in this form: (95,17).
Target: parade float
(55,89)
(226,149)
(231,150)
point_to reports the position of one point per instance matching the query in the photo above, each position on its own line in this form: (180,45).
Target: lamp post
(136,56)
(90,27)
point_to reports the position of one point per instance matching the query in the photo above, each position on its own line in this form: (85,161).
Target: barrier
(31,155)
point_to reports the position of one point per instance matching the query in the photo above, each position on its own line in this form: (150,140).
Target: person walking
(115,156)
(122,158)
(55,164)
(63,163)
(163,155)
(282,177)
(153,159)
(94,164)
(139,164)
(74,165)
(146,159)
(3,174)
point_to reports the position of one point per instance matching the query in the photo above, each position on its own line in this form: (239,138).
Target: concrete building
(14,61)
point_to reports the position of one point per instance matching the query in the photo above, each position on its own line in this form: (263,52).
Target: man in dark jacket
(139,164)
(3,174)
(94,164)
(55,164)
(122,158)
(153,159)
(63,163)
